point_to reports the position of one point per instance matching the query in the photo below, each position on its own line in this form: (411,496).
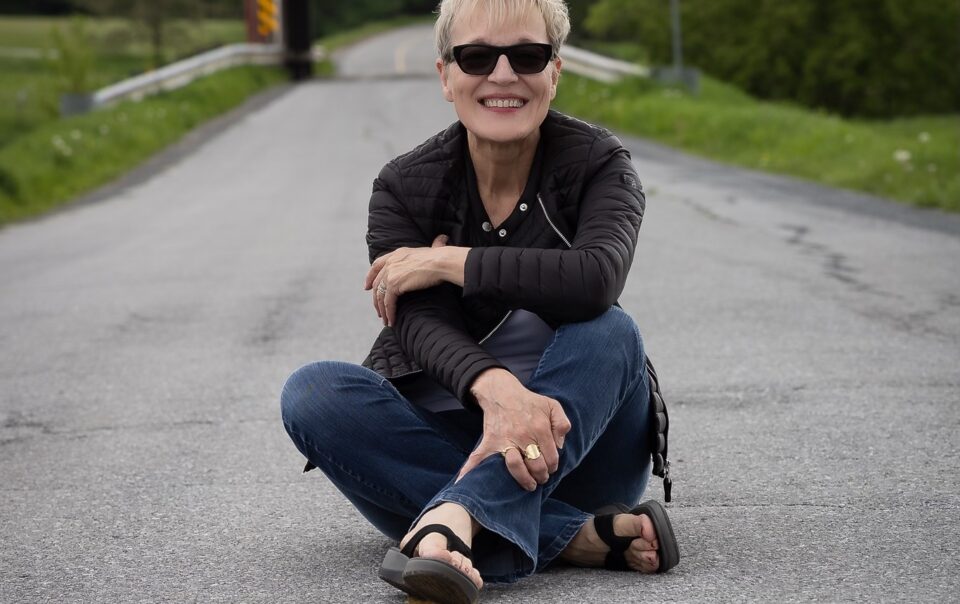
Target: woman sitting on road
(504,418)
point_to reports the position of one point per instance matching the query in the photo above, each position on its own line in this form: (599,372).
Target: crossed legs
(395,462)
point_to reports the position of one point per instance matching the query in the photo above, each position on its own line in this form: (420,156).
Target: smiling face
(502,107)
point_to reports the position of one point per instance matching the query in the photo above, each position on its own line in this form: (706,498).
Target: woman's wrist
(451,263)
(487,383)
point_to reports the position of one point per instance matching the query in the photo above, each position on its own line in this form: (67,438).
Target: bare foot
(434,545)
(587,549)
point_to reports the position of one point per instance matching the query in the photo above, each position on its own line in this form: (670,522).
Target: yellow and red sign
(262,20)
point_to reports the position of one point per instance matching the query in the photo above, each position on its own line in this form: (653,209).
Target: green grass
(61,159)
(46,160)
(116,34)
(29,90)
(916,160)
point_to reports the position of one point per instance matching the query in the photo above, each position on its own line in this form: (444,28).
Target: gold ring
(505,449)
(532,451)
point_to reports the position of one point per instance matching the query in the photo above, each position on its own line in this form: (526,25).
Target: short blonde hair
(555,15)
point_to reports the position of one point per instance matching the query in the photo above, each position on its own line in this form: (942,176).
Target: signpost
(286,23)
(677,36)
(263,21)
(677,73)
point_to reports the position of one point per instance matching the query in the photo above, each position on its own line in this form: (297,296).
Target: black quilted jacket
(564,255)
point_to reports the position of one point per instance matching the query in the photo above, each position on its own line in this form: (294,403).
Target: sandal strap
(615,559)
(454,543)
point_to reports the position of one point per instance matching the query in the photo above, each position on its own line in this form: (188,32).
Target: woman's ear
(555,77)
(442,70)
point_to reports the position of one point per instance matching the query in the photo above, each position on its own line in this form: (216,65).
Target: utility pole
(297,38)
(677,39)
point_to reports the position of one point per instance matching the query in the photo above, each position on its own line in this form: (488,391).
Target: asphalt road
(808,341)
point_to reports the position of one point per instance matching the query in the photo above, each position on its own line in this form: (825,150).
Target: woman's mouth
(502,103)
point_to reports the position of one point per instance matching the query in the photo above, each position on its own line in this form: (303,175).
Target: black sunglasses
(481,59)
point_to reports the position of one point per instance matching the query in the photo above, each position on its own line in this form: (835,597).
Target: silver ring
(381,289)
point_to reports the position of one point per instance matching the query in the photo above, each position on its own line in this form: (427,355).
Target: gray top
(518,344)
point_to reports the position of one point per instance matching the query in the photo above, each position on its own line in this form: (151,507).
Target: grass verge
(29,87)
(46,161)
(59,160)
(916,160)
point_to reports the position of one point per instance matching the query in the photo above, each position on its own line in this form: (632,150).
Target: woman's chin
(503,133)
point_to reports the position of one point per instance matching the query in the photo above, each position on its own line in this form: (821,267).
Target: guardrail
(178,74)
(175,75)
(598,67)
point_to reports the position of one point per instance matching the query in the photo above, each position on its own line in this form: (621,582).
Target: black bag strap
(660,428)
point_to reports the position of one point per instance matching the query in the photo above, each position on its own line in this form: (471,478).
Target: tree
(873,58)
(153,15)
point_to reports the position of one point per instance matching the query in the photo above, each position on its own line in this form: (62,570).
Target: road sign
(263,20)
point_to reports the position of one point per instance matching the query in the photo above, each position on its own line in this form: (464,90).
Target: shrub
(874,58)
(72,61)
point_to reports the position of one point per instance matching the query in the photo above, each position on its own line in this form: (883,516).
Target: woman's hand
(409,269)
(514,417)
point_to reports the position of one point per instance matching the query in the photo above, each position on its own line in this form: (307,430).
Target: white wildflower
(901,155)
(76,135)
(61,145)
(924,137)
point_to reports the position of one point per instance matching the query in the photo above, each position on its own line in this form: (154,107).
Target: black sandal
(426,578)
(667,551)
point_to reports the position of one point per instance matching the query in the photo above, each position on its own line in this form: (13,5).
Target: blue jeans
(394,461)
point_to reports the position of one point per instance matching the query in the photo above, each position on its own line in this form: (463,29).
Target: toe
(646,528)
(645,561)
(474,575)
(463,564)
(642,545)
(650,561)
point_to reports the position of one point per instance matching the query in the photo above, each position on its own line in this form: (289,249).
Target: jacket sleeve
(579,283)
(429,323)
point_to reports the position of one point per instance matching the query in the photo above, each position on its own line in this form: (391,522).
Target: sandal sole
(439,582)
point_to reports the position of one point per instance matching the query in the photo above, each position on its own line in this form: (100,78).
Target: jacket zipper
(557,231)
(486,337)
(550,222)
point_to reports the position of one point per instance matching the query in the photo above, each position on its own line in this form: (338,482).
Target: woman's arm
(576,284)
(413,268)
(430,326)
(429,322)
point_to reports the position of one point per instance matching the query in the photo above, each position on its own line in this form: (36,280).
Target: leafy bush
(874,58)
(72,61)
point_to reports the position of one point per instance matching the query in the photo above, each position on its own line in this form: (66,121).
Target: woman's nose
(503,72)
